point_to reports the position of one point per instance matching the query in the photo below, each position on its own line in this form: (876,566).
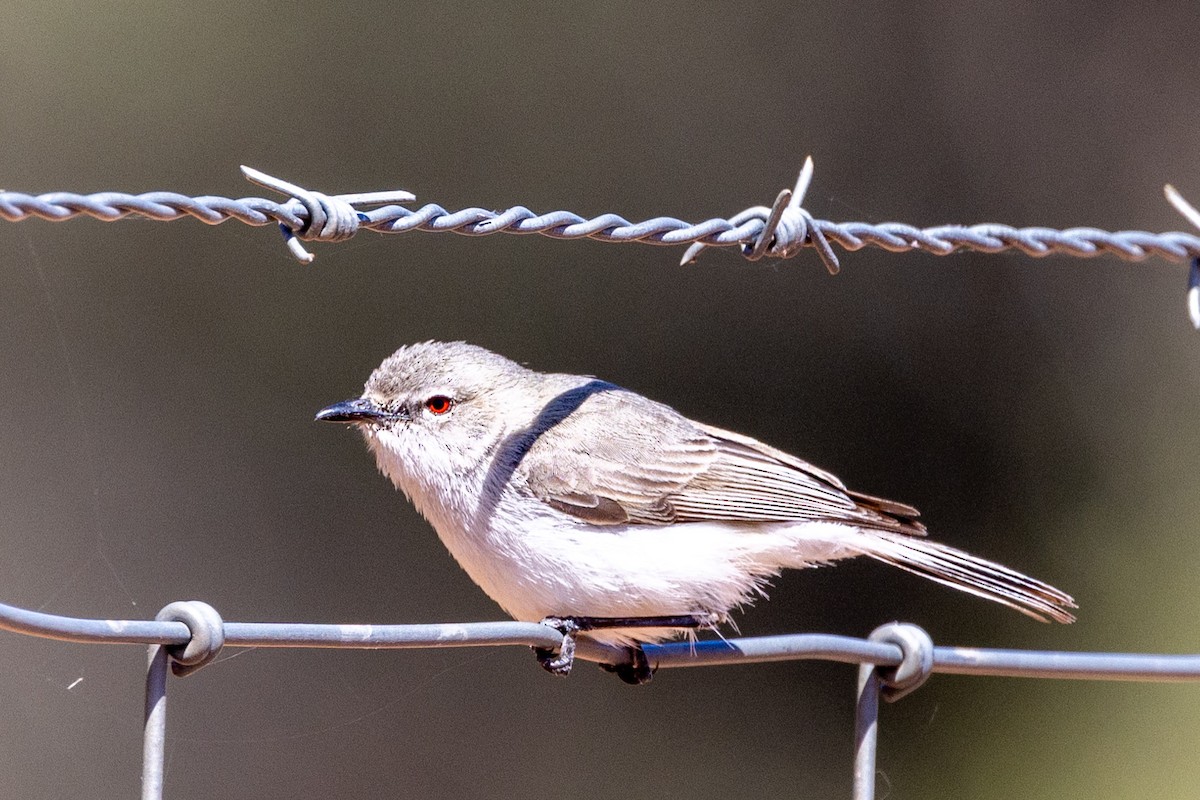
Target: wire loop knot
(916,664)
(207,635)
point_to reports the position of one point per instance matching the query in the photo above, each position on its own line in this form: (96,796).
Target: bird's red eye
(439,404)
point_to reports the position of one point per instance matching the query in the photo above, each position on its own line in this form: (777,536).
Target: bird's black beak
(359,409)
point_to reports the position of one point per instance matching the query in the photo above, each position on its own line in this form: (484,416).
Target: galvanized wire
(756,649)
(755,229)
(895,659)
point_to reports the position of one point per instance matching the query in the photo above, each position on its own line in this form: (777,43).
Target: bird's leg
(695,621)
(637,670)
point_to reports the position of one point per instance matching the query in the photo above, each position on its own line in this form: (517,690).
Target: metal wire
(756,649)
(883,657)
(780,231)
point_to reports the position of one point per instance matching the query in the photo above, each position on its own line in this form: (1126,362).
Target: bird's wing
(626,459)
(616,458)
(756,482)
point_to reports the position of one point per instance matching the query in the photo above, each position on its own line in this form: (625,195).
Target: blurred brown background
(159,380)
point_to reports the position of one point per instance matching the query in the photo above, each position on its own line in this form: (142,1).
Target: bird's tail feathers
(969,573)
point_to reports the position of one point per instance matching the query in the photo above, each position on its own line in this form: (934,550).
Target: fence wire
(780,230)
(893,661)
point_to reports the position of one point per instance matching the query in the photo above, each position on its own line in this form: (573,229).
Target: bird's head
(435,410)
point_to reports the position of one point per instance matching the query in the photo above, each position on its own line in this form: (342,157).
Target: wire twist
(779,231)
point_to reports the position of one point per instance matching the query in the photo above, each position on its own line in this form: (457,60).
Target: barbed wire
(780,230)
(895,660)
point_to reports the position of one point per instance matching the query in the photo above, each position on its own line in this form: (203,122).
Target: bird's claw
(559,662)
(637,671)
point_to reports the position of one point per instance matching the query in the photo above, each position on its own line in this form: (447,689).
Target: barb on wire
(787,227)
(330,218)
(1189,213)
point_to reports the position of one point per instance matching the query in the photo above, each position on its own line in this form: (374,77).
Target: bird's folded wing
(670,469)
(617,459)
(794,488)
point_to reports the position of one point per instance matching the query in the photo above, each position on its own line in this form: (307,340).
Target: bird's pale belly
(545,567)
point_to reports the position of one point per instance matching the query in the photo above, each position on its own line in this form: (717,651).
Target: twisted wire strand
(891,236)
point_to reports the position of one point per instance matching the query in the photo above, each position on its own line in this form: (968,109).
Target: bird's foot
(559,663)
(637,671)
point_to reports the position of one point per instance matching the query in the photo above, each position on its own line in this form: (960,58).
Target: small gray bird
(572,500)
